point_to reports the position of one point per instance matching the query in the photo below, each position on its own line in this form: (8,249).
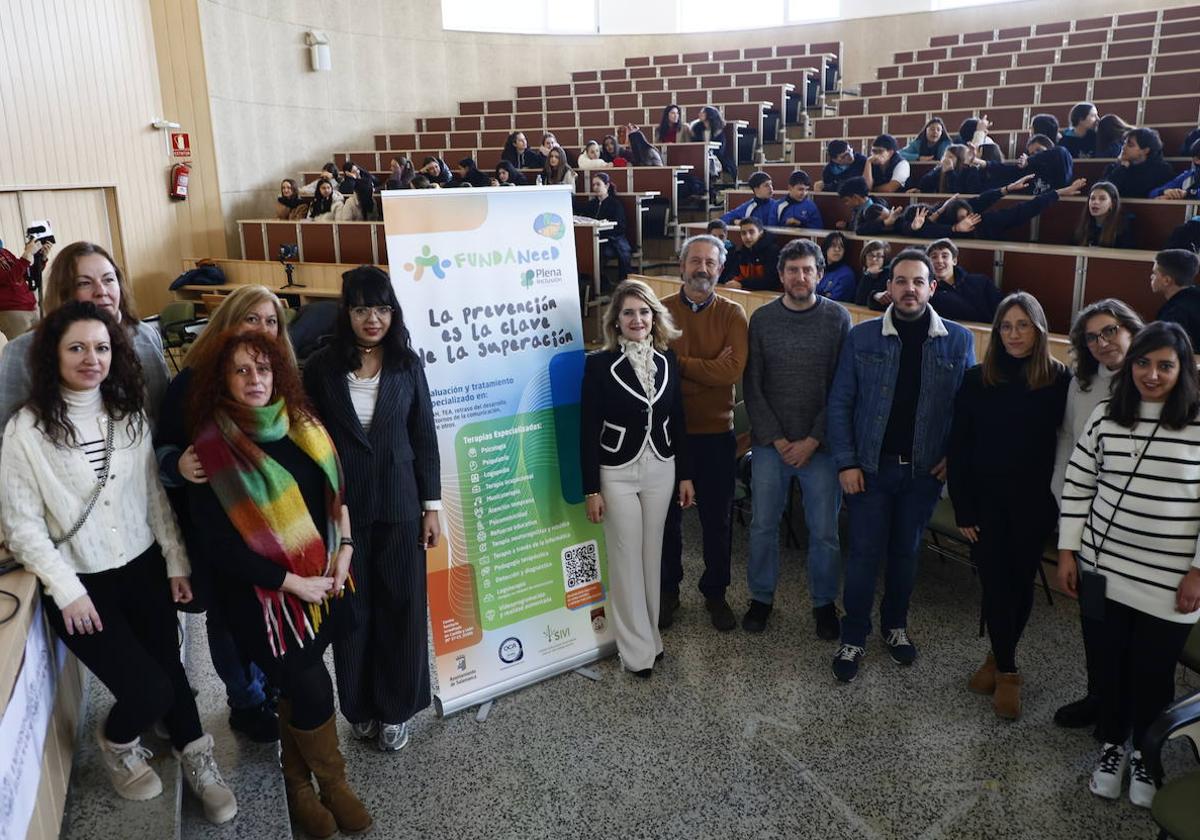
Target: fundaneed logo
(550,225)
(427,259)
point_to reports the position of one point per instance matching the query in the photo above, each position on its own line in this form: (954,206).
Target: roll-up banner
(489,287)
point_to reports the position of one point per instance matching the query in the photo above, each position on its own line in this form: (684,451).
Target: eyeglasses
(1015,327)
(362,313)
(1108,334)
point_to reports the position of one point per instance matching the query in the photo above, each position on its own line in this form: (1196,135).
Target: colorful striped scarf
(266,507)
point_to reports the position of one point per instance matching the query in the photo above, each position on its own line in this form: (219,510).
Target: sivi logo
(556,634)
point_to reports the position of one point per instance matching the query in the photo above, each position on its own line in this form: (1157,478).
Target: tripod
(290,269)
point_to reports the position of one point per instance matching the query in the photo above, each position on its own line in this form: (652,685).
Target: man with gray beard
(711,353)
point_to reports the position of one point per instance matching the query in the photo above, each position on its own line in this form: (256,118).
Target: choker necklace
(368,350)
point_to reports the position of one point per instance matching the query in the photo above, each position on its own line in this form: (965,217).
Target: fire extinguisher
(179,181)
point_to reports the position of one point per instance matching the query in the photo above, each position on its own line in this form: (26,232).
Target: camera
(289,252)
(40,231)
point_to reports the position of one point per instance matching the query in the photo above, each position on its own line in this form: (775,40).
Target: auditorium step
(252,771)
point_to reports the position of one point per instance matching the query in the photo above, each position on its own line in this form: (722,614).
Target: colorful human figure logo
(427,259)
(527,278)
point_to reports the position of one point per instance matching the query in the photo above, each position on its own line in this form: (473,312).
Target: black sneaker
(258,723)
(722,615)
(903,651)
(845,663)
(829,627)
(667,605)
(1081,713)
(755,619)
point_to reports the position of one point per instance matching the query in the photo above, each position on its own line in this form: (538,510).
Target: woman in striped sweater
(1131,514)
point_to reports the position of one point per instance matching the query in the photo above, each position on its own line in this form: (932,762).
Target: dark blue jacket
(973,297)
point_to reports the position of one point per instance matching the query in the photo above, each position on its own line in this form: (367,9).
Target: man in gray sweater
(794,346)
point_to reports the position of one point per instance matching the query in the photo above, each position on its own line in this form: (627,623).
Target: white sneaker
(132,778)
(392,736)
(1110,772)
(1141,785)
(200,770)
(365,731)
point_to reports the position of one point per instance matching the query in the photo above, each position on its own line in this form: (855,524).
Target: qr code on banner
(581,564)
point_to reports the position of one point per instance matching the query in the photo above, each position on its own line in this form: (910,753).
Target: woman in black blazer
(632,452)
(369,389)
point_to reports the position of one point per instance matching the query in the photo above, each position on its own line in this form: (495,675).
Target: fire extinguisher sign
(181,144)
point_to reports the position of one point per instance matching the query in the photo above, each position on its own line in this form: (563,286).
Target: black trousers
(1007,561)
(136,655)
(1136,671)
(307,686)
(714,467)
(382,660)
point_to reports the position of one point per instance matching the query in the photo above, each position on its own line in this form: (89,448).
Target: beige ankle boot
(132,778)
(983,681)
(1007,699)
(202,776)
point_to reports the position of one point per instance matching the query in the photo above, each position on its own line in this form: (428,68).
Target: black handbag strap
(1120,498)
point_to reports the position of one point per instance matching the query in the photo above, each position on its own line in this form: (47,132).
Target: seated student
(1046,125)
(838,282)
(843,165)
(329,171)
(960,296)
(289,204)
(1174,278)
(973,131)
(1102,222)
(468,172)
(507,175)
(325,203)
(959,217)
(856,198)
(711,127)
(604,204)
(549,141)
(668,126)
(435,170)
(871,290)
(590,158)
(352,173)
(420,182)
(720,230)
(1189,142)
(959,171)
(760,206)
(1052,166)
(753,265)
(402,174)
(557,170)
(1185,185)
(1080,138)
(517,152)
(611,151)
(1110,135)
(797,209)
(887,172)
(359,203)
(1186,236)
(1141,167)
(641,153)
(930,144)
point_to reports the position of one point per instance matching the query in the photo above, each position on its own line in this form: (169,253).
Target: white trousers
(636,498)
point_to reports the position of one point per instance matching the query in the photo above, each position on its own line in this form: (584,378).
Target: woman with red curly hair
(280,537)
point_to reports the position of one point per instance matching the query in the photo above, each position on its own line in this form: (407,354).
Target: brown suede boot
(321,753)
(1007,699)
(983,681)
(306,811)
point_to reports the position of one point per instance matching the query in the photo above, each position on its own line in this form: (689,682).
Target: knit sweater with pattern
(708,379)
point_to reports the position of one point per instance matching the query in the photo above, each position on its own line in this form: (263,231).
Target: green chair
(1175,809)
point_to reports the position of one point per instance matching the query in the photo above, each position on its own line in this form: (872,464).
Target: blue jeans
(886,523)
(243,681)
(770,479)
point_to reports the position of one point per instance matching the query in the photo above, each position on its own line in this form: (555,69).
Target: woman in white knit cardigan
(84,511)
(1131,515)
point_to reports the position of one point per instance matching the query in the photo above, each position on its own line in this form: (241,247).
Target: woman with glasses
(1100,338)
(999,463)
(369,389)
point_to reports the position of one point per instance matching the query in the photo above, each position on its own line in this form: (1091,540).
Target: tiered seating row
(834,47)
(1061,27)
(667,72)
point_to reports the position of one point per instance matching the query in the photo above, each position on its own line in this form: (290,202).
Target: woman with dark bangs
(369,388)
(280,537)
(1102,222)
(668,126)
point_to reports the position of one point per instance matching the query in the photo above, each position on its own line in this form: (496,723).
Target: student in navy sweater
(753,265)
(1102,221)
(958,295)
(1141,167)
(796,209)
(761,207)
(959,171)
(1185,185)
(1174,278)
(605,205)
(958,217)
(1110,135)
(871,290)
(843,165)
(838,282)
(1080,138)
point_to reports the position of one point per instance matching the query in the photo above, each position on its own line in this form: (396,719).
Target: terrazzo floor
(740,736)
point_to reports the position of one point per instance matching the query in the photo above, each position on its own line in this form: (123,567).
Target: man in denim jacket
(888,420)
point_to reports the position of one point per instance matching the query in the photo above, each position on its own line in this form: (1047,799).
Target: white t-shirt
(363,393)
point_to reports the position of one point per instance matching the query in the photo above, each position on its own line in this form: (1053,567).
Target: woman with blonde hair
(999,464)
(251,309)
(632,448)
(85,271)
